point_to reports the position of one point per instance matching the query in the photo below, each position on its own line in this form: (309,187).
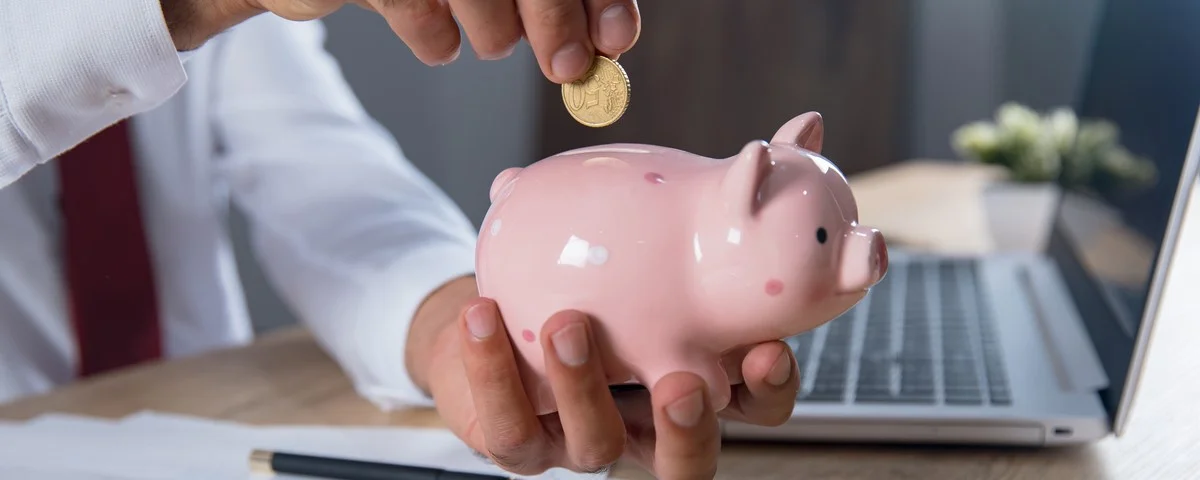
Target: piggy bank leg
(707,366)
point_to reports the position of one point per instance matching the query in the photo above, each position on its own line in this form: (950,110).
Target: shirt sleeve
(348,231)
(71,68)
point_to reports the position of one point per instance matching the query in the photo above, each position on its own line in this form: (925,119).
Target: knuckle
(513,441)
(598,459)
(487,380)
(506,461)
(595,470)
(297,11)
(519,464)
(417,10)
(558,16)
(497,47)
(514,448)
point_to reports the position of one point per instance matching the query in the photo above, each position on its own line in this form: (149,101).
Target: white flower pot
(1019,215)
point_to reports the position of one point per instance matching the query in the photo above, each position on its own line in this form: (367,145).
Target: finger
(687,433)
(614,25)
(492,26)
(447,385)
(591,423)
(732,363)
(637,413)
(426,26)
(558,32)
(512,433)
(771,381)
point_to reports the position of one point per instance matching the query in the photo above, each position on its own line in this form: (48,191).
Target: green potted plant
(1044,155)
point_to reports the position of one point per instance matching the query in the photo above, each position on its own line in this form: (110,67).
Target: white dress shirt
(350,233)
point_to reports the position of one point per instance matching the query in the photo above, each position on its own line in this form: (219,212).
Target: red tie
(113,303)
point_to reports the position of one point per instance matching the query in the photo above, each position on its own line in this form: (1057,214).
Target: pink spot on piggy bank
(759,246)
(774,287)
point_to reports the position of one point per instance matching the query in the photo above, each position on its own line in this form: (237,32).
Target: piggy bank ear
(742,183)
(806,131)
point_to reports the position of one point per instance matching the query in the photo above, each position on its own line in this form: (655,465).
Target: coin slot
(1063,431)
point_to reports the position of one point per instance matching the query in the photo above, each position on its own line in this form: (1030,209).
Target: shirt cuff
(73,68)
(385,381)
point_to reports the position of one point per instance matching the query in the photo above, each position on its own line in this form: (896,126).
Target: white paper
(50,474)
(154,446)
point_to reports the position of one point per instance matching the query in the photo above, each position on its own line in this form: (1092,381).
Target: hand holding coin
(563,34)
(601,96)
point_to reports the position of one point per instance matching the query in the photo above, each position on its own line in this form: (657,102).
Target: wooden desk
(286,378)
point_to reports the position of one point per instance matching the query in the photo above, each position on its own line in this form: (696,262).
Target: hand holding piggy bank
(676,257)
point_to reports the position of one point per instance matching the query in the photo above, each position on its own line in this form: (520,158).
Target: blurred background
(894,79)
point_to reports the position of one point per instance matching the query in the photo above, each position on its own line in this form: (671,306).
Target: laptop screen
(1144,79)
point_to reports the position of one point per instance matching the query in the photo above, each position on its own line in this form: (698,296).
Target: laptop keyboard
(923,335)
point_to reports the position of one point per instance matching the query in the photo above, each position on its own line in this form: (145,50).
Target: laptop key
(916,357)
(993,365)
(960,383)
(916,384)
(875,362)
(897,359)
(874,377)
(830,384)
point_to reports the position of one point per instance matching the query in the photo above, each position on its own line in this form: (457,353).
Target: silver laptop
(1019,349)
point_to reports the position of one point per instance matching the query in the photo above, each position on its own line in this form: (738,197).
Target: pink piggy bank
(677,258)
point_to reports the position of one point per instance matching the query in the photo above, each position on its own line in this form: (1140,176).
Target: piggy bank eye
(821,235)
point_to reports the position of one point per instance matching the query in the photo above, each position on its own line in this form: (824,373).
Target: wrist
(433,325)
(194,22)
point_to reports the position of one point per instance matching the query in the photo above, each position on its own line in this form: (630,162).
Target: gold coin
(601,96)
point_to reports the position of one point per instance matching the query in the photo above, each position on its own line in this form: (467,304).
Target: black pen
(302,465)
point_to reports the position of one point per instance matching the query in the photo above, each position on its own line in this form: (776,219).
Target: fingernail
(617,28)
(570,61)
(571,345)
(781,371)
(480,323)
(686,411)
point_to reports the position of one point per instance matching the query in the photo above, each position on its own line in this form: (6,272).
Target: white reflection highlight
(821,163)
(597,255)
(604,161)
(574,253)
(587,150)
(696,246)
(579,253)
(734,236)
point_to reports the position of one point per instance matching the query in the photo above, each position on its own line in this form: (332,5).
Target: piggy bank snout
(864,260)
